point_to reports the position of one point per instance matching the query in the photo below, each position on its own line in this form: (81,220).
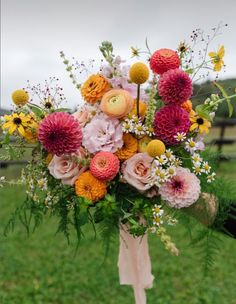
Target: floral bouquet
(130,159)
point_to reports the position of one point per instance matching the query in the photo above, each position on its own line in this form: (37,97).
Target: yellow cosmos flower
(16,122)
(199,123)
(217,58)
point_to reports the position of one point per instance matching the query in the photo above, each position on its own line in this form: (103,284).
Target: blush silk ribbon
(134,264)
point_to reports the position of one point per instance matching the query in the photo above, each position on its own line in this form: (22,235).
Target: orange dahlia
(90,187)
(129,148)
(187,105)
(94,88)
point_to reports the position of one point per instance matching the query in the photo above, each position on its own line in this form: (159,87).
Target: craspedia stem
(138,98)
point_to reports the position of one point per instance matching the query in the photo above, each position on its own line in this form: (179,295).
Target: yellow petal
(193,127)
(217,67)
(12,129)
(7,125)
(21,130)
(221,52)
(212,54)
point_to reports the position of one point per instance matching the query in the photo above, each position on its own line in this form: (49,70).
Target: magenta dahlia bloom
(60,133)
(182,190)
(175,86)
(169,121)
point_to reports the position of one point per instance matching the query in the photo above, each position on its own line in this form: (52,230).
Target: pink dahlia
(60,133)
(103,133)
(182,190)
(175,86)
(169,121)
(163,60)
(104,166)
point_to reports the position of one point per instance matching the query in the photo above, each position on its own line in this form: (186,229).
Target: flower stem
(138,97)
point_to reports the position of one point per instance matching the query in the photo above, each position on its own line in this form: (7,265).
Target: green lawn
(43,269)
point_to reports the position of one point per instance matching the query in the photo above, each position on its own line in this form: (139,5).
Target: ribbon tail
(134,264)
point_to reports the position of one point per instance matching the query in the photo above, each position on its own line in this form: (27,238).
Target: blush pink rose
(83,116)
(66,168)
(137,171)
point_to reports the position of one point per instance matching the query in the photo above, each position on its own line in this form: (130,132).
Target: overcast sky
(33,32)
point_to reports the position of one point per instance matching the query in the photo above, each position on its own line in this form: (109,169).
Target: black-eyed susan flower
(198,123)
(217,58)
(16,122)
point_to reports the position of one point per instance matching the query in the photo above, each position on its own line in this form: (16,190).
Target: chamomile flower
(157,213)
(205,167)
(169,155)
(139,129)
(177,162)
(196,158)
(127,126)
(191,145)
(156,170)
(161,177)
(180,136)
(197,169)
(149,131)
(157,221)
(211,177)
(171,171)
(135,119)
(161,160)
(157,210)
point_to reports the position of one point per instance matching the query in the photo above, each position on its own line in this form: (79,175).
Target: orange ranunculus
(94,88)
(117,103)
(187,105)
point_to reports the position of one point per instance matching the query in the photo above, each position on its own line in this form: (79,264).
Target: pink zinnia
(175,86)
(60,133)
(182,190)
(169,121)
(104,166)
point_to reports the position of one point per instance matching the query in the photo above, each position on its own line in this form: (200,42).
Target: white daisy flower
(171,171)
(197,170)
(196,158)
(211,177)
(205,167)
(161,160)
(139,129)
(177,162)
(149,131)
(127,126)
(191,145)
(180,136)
(170,155)
(162,176)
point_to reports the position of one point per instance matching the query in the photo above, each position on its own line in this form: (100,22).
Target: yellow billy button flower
(217,58)
(199,123)
(16,122)
(139,73)
(20,97)
(156,148)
